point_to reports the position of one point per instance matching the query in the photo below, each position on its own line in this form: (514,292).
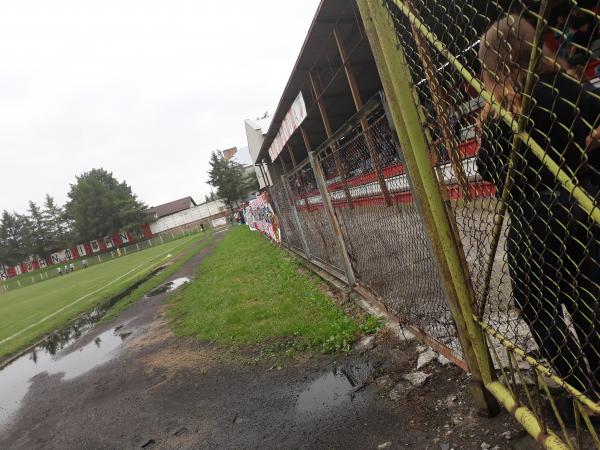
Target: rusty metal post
(335,225)
(292,157)
(358,104)
(262,173)
(396,79)
(328,131)
(282,162)
(437,96)
(286,188)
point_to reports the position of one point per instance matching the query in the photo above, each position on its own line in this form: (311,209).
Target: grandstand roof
(166,209)
(320,58)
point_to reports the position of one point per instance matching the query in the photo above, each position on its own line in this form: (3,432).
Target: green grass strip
(249,291)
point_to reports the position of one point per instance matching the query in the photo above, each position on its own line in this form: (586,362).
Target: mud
(155,390)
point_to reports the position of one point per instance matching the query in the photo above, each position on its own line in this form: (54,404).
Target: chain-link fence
(381,232)
(385,239)
(510,113)
(492,241)
(27,279)
(290,231)
(316,229)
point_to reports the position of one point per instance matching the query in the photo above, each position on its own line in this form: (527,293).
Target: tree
(12,249)
(26,234)
(210,197)
(250,183)
(229,179)
(100,205)
(39,227)
(54,218)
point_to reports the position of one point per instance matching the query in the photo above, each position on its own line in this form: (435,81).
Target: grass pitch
(28,313)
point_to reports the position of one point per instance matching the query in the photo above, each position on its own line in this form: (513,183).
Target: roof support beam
(283,167)
(358,103)
(292,157)
(336,157)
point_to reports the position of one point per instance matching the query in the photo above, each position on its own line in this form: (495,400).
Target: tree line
(98,205)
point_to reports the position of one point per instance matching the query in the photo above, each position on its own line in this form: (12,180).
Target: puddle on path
(49,359)
(335,388)
(168,286)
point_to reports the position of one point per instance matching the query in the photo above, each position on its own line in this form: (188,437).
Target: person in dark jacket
(552,244)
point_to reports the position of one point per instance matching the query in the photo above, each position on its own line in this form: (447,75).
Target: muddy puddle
(336,388)
(168,286)
(58,355)
(55,358)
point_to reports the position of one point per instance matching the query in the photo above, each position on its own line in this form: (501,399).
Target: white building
(255,131)
(184,213)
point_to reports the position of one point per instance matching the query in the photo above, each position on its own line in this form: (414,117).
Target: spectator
(564,36)
(583,29)
(552,245)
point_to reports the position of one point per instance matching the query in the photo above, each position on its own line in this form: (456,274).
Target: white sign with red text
(292,120)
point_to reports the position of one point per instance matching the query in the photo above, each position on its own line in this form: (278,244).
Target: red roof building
(173,207)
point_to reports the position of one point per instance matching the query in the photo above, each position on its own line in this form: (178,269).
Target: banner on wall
(57,257)
(292,120)
(108,243)
(81,250)
(221,221)
(260,216)
(77,251)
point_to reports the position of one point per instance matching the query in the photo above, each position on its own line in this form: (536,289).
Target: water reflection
(17,377)
(335,388)
(168,286)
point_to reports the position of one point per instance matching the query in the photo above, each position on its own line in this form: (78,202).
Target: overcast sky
(144,88)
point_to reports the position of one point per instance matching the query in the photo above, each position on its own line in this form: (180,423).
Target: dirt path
(150,389)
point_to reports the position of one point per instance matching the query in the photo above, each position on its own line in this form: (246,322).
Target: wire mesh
(381,226)
(283,207)
(316,228)
(509,103)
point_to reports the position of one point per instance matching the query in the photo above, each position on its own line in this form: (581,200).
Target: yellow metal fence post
(396,79)
(405,116)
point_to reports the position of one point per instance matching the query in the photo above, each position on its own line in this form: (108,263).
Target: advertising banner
(292,120)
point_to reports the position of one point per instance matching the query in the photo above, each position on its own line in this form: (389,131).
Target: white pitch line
(74,302)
